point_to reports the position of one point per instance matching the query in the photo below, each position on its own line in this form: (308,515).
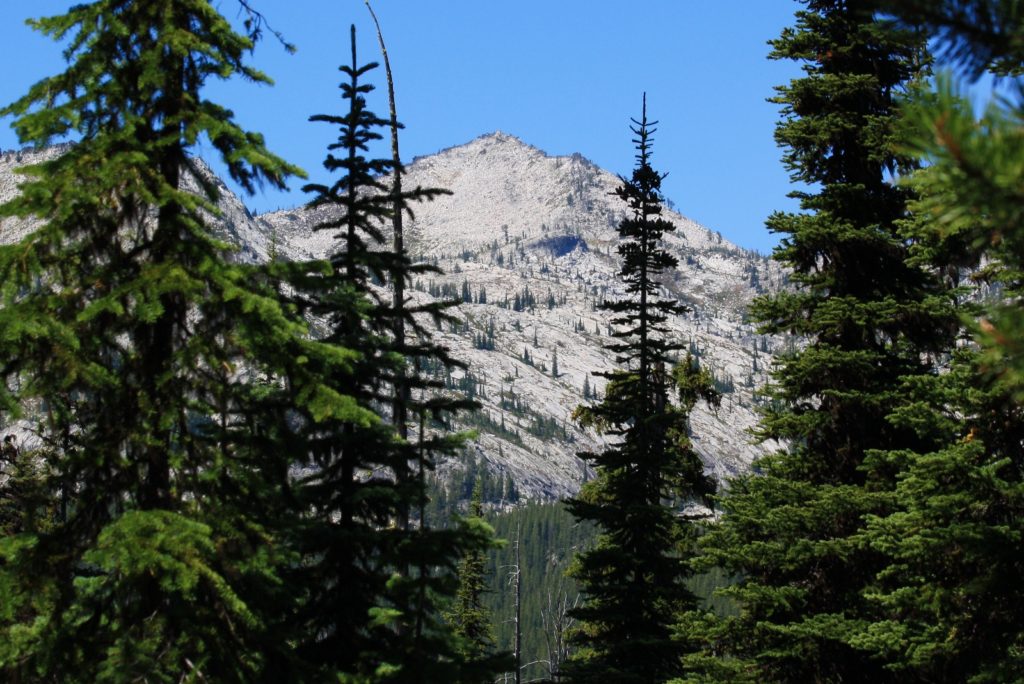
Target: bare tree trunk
(518,651)
(556,622)
(401,397)
(421,605)
(515,579)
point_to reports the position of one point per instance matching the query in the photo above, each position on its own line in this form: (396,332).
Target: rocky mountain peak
(528,242)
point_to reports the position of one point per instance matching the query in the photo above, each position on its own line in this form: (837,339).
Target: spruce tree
(974,35)
(141,352)
(26,504)
(872,322)
(633,578)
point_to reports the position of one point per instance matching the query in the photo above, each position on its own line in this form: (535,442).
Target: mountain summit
(528,242)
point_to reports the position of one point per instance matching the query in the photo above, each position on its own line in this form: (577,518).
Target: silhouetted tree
(633,579)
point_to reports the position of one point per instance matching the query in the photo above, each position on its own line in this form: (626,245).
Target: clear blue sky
(563,75)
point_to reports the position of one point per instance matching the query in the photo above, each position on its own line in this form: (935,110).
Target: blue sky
(563,75)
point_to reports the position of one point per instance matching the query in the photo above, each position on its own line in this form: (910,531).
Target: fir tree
(976,35)
(374,577)
(469,619)
(872,321)
(26,504)
(143,352)
(951,609)
(633,578)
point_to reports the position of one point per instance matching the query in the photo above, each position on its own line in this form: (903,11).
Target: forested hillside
(390,437)
(550,538)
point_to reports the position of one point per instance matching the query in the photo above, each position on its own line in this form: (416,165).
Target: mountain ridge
(527,240)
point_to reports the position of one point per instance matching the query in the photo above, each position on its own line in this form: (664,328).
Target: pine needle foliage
(142,353)
(951,606)
(873,322)
(633,579)
(977,35)
(375,575)
(470,619)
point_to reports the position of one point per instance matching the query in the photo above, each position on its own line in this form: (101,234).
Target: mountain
(528,240)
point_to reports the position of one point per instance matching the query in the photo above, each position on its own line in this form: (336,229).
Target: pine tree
(976,35)
(375,573)
(951,607)
(633,578)
(872,322)
(469,619)
(143,353)
(26,504)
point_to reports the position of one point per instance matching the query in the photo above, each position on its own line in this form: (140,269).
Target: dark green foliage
(971,198)
(135,344)
(451,498)
(873,322)
(345,578)
(633,578)
(723,384)
(485,340)
(977,34)
(375,576)
(951,608)
(26,503)
(549,539)
(548,427)
(482,421)
(950,602)
(469,619)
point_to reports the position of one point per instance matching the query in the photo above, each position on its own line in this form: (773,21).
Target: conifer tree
(470,620)
(872,322)
(141,352)
(374,582)
(25,502)
(976,35)
(951,607)
(633,578)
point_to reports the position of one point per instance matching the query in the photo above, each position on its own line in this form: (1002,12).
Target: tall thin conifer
(375,573)
(633,580)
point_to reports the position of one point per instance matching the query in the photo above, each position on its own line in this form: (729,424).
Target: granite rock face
(529,239)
